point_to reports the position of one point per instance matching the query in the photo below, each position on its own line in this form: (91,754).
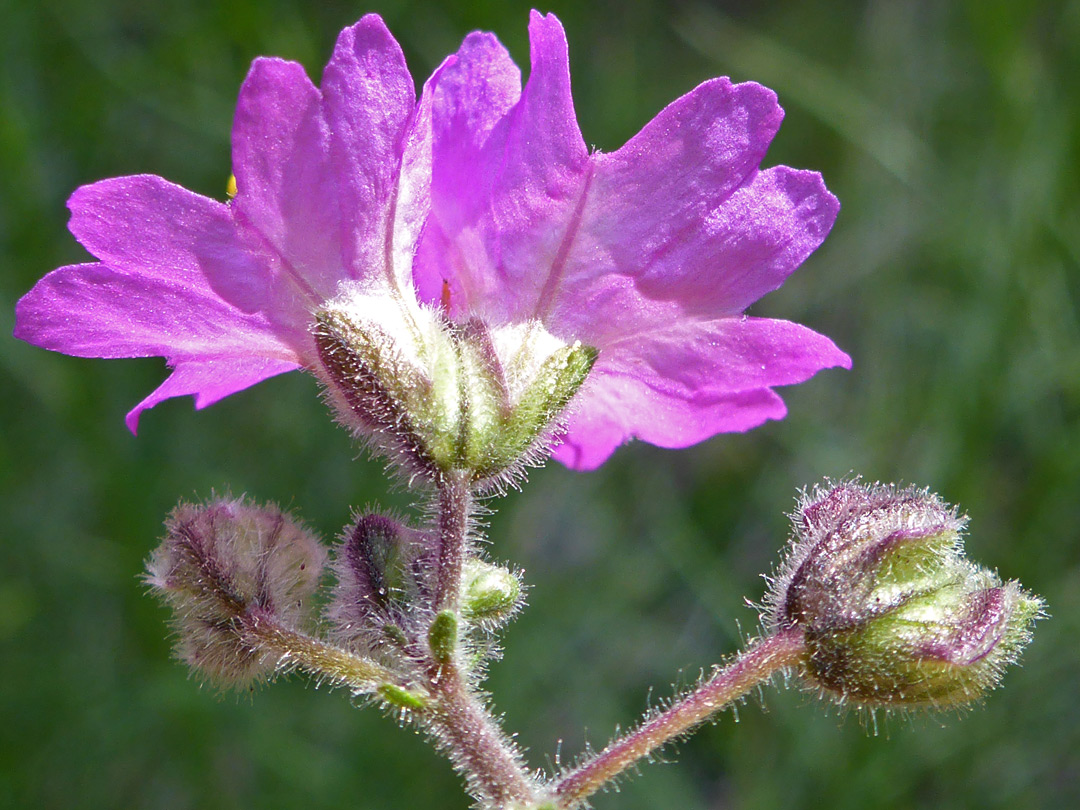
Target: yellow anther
(230,187)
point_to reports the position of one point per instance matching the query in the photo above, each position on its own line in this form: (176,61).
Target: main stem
(454,505)
(754,666)
(467,731)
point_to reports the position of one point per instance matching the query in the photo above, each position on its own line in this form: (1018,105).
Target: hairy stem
(452,521)
(315,656)
(465,728)
(755,665)
(490,763)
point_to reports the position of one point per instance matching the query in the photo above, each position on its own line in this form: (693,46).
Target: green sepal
(443,636)
(401,697)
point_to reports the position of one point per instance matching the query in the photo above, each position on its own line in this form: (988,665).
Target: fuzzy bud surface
(892,612)
(224,568)
(492,594)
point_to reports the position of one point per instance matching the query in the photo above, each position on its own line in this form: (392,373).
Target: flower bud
(491,594)
(891,612)
(224,567)
(435,396)
(382,568)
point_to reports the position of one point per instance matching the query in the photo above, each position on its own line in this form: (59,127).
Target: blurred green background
(951,133)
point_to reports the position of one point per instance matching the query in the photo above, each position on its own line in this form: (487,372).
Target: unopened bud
(891,612)
(382,569)
(491,594)
(223,568)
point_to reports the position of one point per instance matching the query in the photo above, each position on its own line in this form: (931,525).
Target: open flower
(478,206)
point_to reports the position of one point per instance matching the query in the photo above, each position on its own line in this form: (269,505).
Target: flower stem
(758,663)
(453,507)
(481,752)
(463,725)
(315,656)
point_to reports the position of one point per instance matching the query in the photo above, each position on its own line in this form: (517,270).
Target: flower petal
(684,163)
(715,267)
(525,184)
(601,424)
(147,226)
(210,381)
(681,384)
(686,358)
(285,188)
(470,95)
(368,99)
(92,310)
(749,245)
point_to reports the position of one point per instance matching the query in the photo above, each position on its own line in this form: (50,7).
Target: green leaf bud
(491,594)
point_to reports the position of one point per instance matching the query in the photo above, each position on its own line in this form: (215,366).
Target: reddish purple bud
(892,612)
(383,569)
(224,567)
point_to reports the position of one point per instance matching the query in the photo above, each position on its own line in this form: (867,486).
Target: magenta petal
(686,359)
(148,227)
(368,99)
(757,238)
(528,180)
(653,194)
(209,381)
(285,188)
(475,90)
(717,267)
(602,424)
(537,203)
(677,386)
(470,95)
(91,310)
(413,202)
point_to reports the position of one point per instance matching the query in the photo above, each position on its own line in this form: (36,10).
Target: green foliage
(951,134)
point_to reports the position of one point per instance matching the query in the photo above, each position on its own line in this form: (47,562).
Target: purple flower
(479,201)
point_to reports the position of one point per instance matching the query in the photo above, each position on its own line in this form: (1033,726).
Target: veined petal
(92,310)
(210,381)
(715,266)
(686,358)
(151,228)
(470,95)
(680,384)
(475,90)
(529,176)
(684,162)
(414,191)
(618,409)
(368,99)
(286,190)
